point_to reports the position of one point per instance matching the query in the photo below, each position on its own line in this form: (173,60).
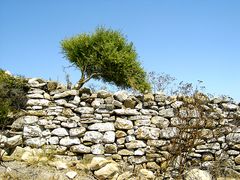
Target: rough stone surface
(123,124)
(60,132)
(197,174)
(69,141)
(80,149)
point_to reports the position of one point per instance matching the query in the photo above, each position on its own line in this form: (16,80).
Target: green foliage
(12,96)
(106,55)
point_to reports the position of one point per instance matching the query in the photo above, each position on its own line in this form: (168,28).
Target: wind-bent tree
(107,55)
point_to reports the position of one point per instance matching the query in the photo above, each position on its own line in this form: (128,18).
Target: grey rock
(169,132)
(147,133)
(18,123)
(65,94)
(160,122)
(80,149)
(38,102)
(168,113)
(135,144)
(35,142)
(197,174)
(117,103)
(103,94)
(69,141)
(233,137)
(29,120)
(121,96)
(69,124)
(149,112)
(35,96)
(53,140)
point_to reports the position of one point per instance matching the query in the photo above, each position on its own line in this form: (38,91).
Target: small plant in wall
(106,55)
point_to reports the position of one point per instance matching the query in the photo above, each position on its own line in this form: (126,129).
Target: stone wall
(147,129)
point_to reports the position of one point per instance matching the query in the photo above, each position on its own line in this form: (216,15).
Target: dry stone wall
(146,129)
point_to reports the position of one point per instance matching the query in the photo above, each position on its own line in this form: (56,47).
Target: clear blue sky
(189,39)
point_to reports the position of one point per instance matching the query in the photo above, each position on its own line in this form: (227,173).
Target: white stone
(69,141)
(53,140)
(97,102)
(30,120)
(126,112)
(177,104)
(97,149)
(85,110)
(38,102)
(69,124)
(102,127)
(32,131)
(123,124)
(147,133)
(169,132)
(14,141)
(65,94)
(80,149)
(107,171)
(79,131)
(135,144)
(97,162)
(109,137)
(18,123)
(160,122)
(149,112)
(229,106)
(35,142)
(35,96)
(60,102)
(197,174)
(60,132)
(93,136)
(71,174)
(146,174)
(168,113)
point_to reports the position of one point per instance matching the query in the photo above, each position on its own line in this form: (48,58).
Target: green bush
(12,96)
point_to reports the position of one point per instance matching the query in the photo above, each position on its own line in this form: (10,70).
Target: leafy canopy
(107,55)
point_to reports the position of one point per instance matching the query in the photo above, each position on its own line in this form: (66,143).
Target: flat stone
(123,124)
(97,162)
(69,141)
(229,106)
(93,136)
(38,102)
(65,94)
(160,122)
(80,149)
(168,113)
(69,124)
(85,110)
(103,94)
(79,131)
(107,172)
(60,132)
(102,127)
(135,144)
(121,96)
(35,142)
(32,131)
(29,120)
(169,132)
(126,112)
(147,133)
(125,152)
(149,112)
(146,122)
(233,137)
(14,141)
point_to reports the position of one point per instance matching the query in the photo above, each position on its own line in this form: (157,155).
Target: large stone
(65,94)
(160,122)
(103,94)
(121,96)
(38,102)
(35,96)
(71,174)
(18,123)
(69,141)
(60,132)
(125,152)
(168,113)
(135,144)
(53,140)
(79,131)
(109,137)
(130,103)
(29,120)
(107,172)
(233,137)
(148,97)
(97,149)
(102,127)
(229,106)
(126,112)
(97,162)
(32,131)
(85,110)
(110,148)
(147,133)
(35,142)
(123,124)
(93,136)
(69,124)
(197,174)
(14,141)
(80,149)
(146,174)
(97,102)
(169,132)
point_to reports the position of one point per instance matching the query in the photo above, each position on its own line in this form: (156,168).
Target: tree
(106,55)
